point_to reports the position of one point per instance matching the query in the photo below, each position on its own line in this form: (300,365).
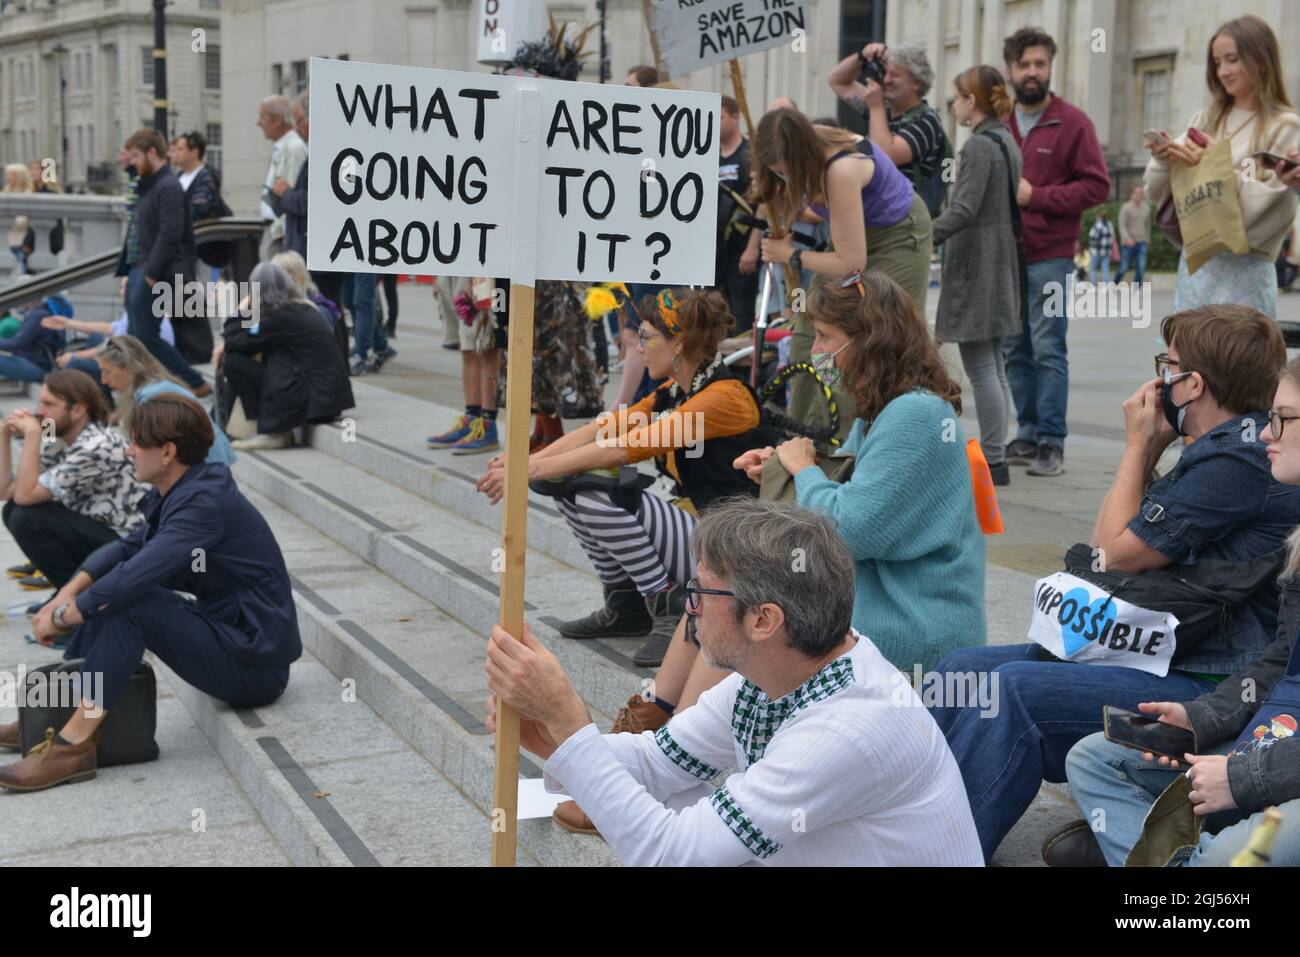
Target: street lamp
(60,52)
(160,66)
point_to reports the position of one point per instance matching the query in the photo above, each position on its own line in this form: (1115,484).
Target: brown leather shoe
(51,763)
(202,392)
(573,819)
(10,739)
(639,715)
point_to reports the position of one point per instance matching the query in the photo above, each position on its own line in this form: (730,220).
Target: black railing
(244,232)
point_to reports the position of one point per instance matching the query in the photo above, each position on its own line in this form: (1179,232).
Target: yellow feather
(598,302)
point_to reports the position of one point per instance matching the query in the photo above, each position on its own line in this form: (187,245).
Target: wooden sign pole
(738,83)
(514,523)
(648,10)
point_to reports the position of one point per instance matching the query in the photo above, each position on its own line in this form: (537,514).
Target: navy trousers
(184,638)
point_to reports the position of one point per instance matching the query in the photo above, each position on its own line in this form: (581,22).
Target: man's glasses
(1276,423)
(1164,369)
(694,591)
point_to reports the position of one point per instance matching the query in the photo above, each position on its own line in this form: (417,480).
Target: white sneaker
(272,440)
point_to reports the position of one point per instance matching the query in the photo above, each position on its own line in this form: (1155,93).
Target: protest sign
(690,34)
(412,171)
(1078,621)
(504,24)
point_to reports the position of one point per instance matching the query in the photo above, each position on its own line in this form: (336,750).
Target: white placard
(504,24)
(1077,621)
(413,171)
(698,33)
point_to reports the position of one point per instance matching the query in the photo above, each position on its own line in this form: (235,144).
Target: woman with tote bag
(1251,111)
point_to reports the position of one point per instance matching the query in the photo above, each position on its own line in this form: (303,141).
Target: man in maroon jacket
(1064,174)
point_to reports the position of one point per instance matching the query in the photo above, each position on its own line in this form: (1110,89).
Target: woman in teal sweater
(908,512)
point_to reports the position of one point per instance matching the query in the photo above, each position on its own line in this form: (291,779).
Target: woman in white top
(1250,107)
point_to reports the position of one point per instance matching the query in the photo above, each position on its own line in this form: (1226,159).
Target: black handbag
(126,735)
(1202,596)
(626,479)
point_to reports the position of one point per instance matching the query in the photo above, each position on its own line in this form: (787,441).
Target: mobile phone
(1154,138)
(1196,136)
(1272,160)
(1143,733)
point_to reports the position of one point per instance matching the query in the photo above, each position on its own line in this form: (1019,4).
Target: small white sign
(1077,621)
(698,33)
(504,24)
(413,171)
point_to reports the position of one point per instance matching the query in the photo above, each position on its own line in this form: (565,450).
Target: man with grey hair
(288,156)
(899,120)
(838,763)
(290,199)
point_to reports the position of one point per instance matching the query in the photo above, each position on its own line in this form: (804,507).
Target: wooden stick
(514,544)
(514,524)
(738,83)
(777,231)
(648,10)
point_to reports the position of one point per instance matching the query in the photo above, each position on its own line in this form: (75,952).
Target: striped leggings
(652,547)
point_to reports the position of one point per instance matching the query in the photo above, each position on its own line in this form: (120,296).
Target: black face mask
(1174,413)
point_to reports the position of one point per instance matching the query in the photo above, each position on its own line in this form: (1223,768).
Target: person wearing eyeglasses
(838,762)
(693,427)
(1248,752)
(1220,501)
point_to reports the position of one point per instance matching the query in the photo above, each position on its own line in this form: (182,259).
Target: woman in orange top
(694,426)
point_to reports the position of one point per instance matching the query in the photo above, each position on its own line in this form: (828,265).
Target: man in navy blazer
(235,640)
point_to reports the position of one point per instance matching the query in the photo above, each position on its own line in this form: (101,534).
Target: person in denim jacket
(1219,502)
(1245,731)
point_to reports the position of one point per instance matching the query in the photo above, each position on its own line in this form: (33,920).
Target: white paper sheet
(534,801)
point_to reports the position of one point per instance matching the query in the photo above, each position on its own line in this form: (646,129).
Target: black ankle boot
(665,609)
(624,616)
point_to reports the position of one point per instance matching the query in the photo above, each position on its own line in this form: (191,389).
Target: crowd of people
(738,682)
(791,584)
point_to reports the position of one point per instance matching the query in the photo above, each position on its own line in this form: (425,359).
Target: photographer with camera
(887,87)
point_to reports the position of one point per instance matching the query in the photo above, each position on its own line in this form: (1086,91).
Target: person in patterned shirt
(838,762)
(75,489)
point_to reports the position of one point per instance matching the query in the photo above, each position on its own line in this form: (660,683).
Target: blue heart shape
(1073,641)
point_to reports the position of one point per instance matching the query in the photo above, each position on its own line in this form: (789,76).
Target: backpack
(932,189)
(58,305)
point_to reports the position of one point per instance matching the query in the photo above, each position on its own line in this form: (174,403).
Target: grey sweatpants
(987,372)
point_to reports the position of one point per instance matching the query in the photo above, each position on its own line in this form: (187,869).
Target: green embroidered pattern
(755,719)
(750,834)
(684,759)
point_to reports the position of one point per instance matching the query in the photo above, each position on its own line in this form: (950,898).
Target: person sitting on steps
(235,641)
(72,495)
(638,542)
(135,375)
(301,377)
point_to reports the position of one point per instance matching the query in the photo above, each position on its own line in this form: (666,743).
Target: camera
(872,69)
